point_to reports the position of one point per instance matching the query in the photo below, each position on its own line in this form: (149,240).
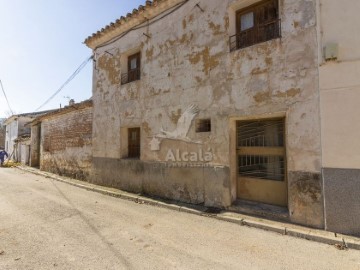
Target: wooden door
(134,142)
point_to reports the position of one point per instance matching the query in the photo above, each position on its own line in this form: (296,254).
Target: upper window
(133,68)
(256,24)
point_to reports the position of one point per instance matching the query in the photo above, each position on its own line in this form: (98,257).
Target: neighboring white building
(16,130)
(2,132)
(339,74)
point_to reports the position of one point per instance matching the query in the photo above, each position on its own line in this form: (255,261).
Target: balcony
(257,34)
(132,75)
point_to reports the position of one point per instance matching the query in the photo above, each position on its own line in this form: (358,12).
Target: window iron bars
(268,133)
(262,167)
(132,75)
(257,34)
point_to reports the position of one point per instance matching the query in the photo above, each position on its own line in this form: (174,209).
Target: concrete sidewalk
(339,240)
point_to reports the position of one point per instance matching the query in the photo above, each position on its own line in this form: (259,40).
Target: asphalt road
(45,224)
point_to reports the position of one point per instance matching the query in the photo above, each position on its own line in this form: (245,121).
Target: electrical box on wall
(331,51)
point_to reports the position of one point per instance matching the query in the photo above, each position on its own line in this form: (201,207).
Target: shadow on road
(117,253)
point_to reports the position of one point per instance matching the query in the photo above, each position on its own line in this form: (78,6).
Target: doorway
(261,161)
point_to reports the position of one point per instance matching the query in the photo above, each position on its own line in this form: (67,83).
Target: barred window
(133,73)
(261,149)
(255,24)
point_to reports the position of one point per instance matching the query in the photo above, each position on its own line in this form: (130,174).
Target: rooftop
(30,115)
(138,16)
(66,109)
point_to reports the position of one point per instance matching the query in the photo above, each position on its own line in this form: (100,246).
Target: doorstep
(243,213)
(263,210)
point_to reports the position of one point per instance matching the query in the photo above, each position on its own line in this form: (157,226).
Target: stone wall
(66,143)
(185,60)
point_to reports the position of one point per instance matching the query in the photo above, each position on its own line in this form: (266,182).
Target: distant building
(16,131)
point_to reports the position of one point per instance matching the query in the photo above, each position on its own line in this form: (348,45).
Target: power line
(156,19)
(2,87)
(76,72)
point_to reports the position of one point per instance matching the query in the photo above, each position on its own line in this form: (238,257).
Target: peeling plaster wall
(66,144)
(187,61)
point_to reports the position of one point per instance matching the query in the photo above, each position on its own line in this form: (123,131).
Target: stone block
(305,199)
(342,200)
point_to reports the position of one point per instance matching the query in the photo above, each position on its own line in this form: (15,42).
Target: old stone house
(61,141)
(218,103)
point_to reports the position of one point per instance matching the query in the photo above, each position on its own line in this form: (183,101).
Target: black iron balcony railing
(132,75)
(257,34)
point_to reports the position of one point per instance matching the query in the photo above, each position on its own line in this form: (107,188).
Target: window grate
(261,149)
(262,167)
(134,72)
(268,133)
(257,34)
(131,76)
(256,24)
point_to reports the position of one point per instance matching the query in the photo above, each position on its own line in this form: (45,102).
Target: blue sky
(41,45)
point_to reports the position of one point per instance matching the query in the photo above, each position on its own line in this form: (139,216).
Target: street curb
(339,240)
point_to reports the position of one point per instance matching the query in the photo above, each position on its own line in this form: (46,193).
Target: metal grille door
(262,161)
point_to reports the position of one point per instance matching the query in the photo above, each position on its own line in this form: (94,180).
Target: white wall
(340,23)
(340,84)
(11,135)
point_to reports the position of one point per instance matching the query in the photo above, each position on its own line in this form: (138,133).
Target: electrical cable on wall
(3,90)
(76,72)
(142,26)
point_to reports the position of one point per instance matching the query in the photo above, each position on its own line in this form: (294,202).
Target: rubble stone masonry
(66,143)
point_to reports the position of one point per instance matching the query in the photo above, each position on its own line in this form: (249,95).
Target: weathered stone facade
(65,142)
(185,60)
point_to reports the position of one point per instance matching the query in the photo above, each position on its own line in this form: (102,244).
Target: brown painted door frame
(134,142)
